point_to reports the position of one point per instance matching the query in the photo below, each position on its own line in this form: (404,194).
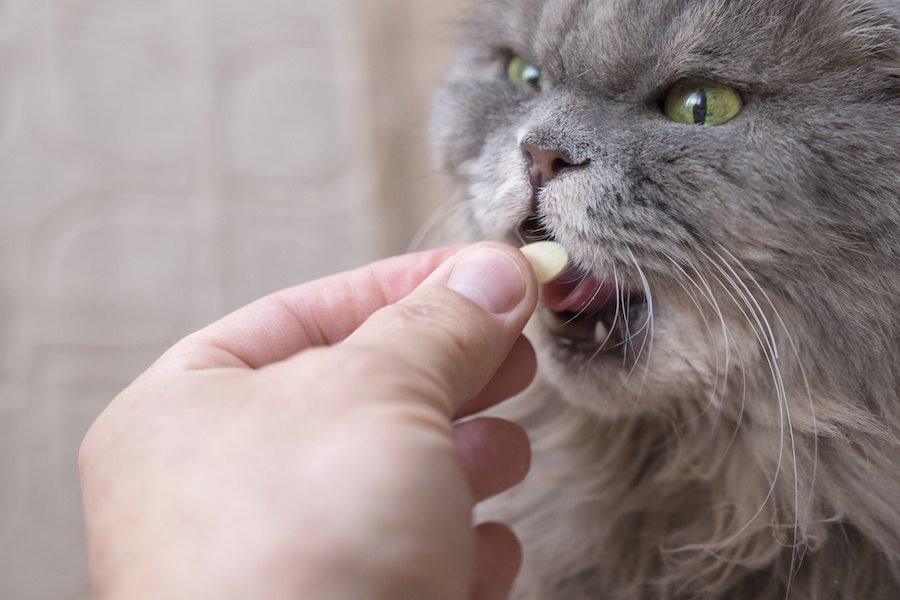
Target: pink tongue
(576,291)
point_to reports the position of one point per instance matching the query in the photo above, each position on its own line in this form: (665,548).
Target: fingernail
(489,279)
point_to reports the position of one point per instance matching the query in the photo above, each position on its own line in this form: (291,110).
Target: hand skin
(307,445)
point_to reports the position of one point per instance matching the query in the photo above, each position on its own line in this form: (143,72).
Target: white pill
(548,259)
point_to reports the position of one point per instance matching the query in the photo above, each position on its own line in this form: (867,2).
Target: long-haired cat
(718,414)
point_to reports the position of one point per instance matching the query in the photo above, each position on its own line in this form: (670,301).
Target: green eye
(520,70)
(700,103)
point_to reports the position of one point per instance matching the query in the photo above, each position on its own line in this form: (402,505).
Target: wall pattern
(161,163)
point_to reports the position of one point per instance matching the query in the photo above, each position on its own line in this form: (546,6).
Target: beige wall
(162,162)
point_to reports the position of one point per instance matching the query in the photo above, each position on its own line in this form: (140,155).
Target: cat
(718,407)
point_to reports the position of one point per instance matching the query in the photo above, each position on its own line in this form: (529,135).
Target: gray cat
(718,414)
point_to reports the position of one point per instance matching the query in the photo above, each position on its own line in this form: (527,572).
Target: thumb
(445,341)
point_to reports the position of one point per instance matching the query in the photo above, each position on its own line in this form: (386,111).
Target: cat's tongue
(576,291)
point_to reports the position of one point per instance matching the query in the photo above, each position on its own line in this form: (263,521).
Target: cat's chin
(602,382)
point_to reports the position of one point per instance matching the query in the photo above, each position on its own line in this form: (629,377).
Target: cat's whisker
(612,326)
(795,566)
(790,338)
(626,310)
(728,337)
(710,299)
(734,301)
(746,294)
(646,329)
(713,301)
(708,295)
(786,426)
(582,278)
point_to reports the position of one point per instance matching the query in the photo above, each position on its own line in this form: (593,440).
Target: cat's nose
(545,163)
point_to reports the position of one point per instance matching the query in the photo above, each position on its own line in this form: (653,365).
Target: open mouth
(587,314)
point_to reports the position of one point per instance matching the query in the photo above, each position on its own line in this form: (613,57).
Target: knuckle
(448,329)
(435,350)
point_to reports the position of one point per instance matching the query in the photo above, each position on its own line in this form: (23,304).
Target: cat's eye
(521,71)
(702,103)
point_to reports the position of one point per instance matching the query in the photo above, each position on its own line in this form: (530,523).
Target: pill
(548,259)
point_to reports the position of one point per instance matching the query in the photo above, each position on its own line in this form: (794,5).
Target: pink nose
(546,163)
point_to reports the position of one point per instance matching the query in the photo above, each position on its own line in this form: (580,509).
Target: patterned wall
(163,162)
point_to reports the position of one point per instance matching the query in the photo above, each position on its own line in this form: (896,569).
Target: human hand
(305,446)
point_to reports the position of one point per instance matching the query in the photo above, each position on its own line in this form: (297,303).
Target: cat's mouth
(587,314)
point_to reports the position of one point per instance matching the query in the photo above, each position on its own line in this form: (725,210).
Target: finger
(513,377)
(499,557)
(445,341)
(318,313)
(495,454)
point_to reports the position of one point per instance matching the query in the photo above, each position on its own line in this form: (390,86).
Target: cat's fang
(601,332)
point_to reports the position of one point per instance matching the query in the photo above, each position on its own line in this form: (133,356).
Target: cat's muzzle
(587,314)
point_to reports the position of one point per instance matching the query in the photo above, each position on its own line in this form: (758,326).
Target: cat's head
(724,174)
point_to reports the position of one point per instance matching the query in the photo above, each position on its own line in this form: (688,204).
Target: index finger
(321,312)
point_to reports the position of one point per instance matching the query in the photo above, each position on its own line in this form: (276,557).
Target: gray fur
(752,448)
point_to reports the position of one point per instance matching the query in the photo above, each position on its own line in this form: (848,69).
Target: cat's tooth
(601,332)
(548,259)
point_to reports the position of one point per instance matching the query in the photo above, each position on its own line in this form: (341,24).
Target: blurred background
(161,163)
